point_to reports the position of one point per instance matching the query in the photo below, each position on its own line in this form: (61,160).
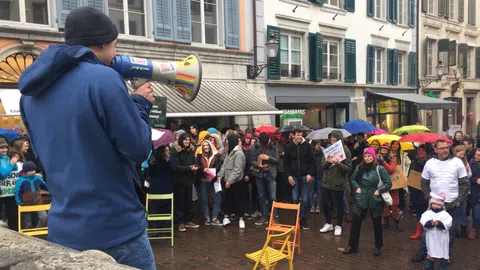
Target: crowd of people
(257,169)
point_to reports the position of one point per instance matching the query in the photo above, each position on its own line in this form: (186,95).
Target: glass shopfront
(390,114)
(314,115)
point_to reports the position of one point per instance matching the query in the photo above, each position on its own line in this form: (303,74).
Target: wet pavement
(213,247)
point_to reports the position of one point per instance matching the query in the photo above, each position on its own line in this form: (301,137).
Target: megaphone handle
(137,82)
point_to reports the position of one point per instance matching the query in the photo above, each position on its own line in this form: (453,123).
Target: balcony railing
(292,74)
(332,76)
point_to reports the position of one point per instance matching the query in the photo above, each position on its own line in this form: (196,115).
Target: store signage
(357,99)
(294,111)
(388,106)
(11,101)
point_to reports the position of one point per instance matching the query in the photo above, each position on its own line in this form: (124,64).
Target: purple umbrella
(162,137)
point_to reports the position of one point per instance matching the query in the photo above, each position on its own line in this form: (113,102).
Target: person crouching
(27,192)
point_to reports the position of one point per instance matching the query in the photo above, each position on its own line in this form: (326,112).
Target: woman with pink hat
(369,180)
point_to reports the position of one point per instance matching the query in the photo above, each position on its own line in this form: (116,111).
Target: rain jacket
(201,138)
(96,133)
(6,167)
(233,166)
(27,190)
(336,177)
(183,158)
(272,162)
(202,162)
(298,159)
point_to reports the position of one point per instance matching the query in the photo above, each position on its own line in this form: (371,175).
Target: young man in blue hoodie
(88,132)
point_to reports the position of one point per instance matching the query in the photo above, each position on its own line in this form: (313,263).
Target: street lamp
(440,72)
(272,50)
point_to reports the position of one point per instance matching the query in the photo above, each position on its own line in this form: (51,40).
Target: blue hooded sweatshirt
(87,132)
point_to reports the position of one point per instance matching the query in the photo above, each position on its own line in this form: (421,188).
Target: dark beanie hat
(29,166)
(232,141)
(89,26)
(3,142)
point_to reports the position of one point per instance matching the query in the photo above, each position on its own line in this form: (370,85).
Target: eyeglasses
(443,148)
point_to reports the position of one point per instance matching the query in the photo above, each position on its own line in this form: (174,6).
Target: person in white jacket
(437,221)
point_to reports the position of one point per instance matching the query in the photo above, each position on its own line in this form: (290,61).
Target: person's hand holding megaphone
(146,91)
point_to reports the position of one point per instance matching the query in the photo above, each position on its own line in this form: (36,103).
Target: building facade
(449,34)
(163,30)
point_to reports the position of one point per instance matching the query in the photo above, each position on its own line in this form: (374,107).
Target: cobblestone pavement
(212,247)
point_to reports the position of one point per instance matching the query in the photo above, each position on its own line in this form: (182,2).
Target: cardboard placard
(158,114)
(415,180)
(398,178)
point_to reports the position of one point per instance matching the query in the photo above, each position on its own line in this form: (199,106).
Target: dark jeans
(11,211)
(183,204)
(301,190)
(455,212)
(476,215)
(266,193)
(419,204)
(357,226)
(235,198)
(284,190)
(336,198)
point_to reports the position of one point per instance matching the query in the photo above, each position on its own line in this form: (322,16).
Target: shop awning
(215,98)
(424,102)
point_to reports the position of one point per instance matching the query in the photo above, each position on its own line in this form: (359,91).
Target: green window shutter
(315,44)
(389,66)
(394,8)
(273,69)
(412,69)
(395,67)
(461,10)
(370,8)
(477,62)
(424,6)
(350,5)
(462,57)
(411,13)
(452,53)
(370,64)
(350,61)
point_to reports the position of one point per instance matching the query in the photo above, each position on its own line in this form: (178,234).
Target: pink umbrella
(162,137)
(377,131)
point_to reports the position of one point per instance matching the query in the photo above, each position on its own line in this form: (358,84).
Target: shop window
(453,116)
(128,16)
(290,56)
(471,123)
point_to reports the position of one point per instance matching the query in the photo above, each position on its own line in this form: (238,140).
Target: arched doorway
(11,68)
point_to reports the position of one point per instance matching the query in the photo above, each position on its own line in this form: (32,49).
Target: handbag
(387,198)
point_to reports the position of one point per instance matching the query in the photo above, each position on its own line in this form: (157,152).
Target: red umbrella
(162,136)
(266,129)
(424,137)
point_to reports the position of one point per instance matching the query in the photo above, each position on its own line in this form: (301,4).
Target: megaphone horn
(184,76)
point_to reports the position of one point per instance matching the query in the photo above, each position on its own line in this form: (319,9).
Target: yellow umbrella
(412,129)
(389,138)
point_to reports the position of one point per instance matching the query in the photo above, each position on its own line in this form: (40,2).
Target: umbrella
(410,130)
(322,134)
(377,131)
(266,129)
(358,126)
(388,138)
(291,128)
(425,137)
(162,137)
(9,134)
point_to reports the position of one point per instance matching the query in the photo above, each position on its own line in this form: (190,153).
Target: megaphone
(184,76)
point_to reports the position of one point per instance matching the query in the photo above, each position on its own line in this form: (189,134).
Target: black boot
(386,222)
(350,250)
(397,226)
(377,252)
(464,232)
(419,257)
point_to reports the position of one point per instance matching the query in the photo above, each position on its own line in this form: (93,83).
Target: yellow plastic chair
(29,209)
(269,257)
(160,217)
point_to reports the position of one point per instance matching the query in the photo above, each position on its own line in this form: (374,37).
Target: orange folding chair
(281,228)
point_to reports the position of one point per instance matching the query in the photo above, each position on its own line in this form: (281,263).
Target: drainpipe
(254,6)
(419,9)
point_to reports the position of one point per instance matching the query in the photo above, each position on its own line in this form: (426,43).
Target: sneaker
(317,210)
(338,231)
(216,222)
(192,225)
(181,227)
(419,257)
(304,225)
(326,228)
(261,221)
(241,224)
(312,210)
(256,214)
(208,221)
(247,216)
(233,216)
(429,265)
(226,221)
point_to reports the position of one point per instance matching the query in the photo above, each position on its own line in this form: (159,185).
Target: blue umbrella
(358,126)
(9,134)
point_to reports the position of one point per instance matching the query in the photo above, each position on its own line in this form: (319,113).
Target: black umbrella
(291,128)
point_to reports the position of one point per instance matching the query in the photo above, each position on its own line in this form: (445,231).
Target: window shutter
(273,69)
(232,24)
(442,8)
(389,66)
(395,67)
(162,19)
(394,11)
(425,59)
(447,7)
(412,69)
(477,62)
(424,6)
(320,2)
(315,44)
(370,64)
(471,12)
(98,4)
(411,13)
(350,61)
(461,10)
(182,21)
(462,58)
(350,5)
(452,53)
(63,8)
(370,8)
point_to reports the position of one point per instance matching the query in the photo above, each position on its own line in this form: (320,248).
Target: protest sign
(335,151)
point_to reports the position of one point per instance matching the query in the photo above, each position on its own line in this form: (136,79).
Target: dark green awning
(424,102)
